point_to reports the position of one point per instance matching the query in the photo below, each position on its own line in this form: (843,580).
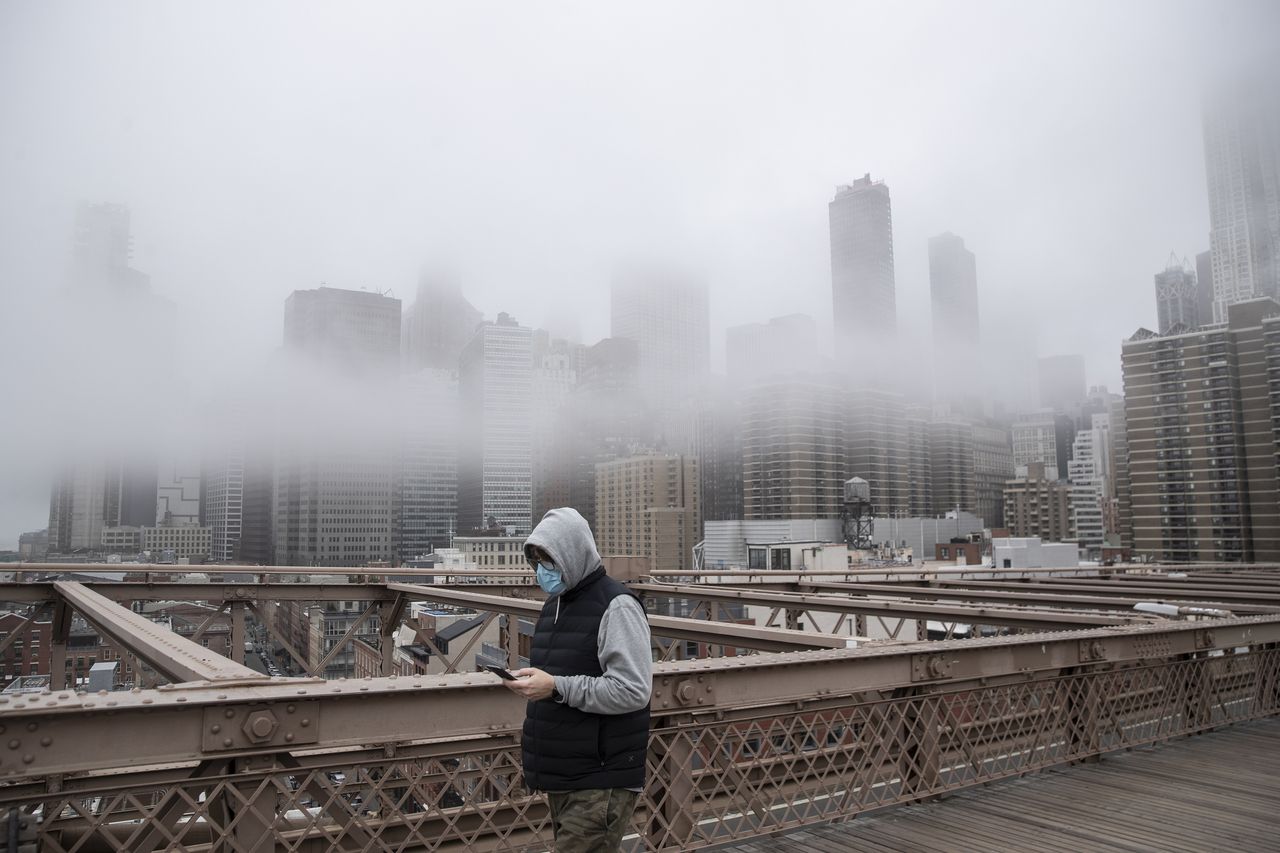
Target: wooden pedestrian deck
(1217,791)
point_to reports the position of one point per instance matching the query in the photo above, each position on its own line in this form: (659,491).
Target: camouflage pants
(591,821)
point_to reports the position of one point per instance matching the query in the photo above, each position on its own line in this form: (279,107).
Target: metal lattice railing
(741,770)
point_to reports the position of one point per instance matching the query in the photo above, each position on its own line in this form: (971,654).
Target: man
(586,728)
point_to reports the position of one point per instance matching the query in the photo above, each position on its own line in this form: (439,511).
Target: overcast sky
(265,147)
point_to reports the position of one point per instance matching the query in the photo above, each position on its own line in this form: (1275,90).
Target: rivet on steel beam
(306,721)
(46,740)
(102,693)
(31,727)
(226,741)
(28,758)
(15,743)
(215,728)
(224,696)
(288,737)
(227,713)
(182,698)
(147,701)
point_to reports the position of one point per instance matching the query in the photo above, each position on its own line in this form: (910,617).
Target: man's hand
(531,683)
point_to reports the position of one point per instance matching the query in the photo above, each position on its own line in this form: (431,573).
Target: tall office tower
(178,489)
(718,450)
(429,461)
(1121,514)
(862,280)
(1089,473)
(1242,163)
(1202,435)
(102,248)
(784,345)
(350,330)
(222,501)
(256,544)
(992,466)
(1062,382)
(88,496)
(1177,297)
(647,506)
(604,418)
(1035,439)
(1036,505)
(876,448)
(557,366)
(665,311)
(951,463)
(917,421)
(793,449)
(337,468)
(1204,287)
(438,325)
(495,466)
(953,288)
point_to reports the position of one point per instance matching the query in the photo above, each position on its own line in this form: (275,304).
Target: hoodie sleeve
(626,659)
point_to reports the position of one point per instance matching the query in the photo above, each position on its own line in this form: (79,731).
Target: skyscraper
(337,475)
(438,325)
(877,448)
(351,331)
(862,278)
(429,461)
(495,466)
(793,449)
(1062,382)
(783,345)
(1200,411)
(1242,164)
(1177,297)
(665,311)
(953,288)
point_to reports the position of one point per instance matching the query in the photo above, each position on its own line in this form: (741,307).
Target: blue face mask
(551,581)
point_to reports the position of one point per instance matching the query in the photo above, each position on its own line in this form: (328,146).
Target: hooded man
(586,728)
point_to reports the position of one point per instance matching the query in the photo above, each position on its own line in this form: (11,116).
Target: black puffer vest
(565,749)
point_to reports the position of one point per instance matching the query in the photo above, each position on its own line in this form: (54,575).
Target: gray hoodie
(623,640)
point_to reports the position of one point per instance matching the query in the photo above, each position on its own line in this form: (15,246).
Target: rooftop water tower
(856,513)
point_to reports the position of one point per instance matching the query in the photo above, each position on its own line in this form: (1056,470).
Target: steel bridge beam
(70,733)
(854,603)
(174,657)
(696,630)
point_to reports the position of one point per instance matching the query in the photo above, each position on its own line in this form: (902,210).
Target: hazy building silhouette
(1090,475)
(351,331)
(1242,165)
(793,449)
(1062,382)
(1204,287)
(781,346)
(337,468)
(862,277)
(953,290)
(1177,297)
(719,452)
(665,312)
(951,464)
(437,326)
(495,466)
(877,450)
(917,421)
(1202,437)
(992,466)
(429,424)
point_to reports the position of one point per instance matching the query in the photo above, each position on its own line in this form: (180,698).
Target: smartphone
(500,672)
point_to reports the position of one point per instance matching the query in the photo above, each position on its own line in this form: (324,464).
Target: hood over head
(565,535)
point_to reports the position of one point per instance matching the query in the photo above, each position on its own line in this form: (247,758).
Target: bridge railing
(740,747)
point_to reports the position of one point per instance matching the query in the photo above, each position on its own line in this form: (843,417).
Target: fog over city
(528,153)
